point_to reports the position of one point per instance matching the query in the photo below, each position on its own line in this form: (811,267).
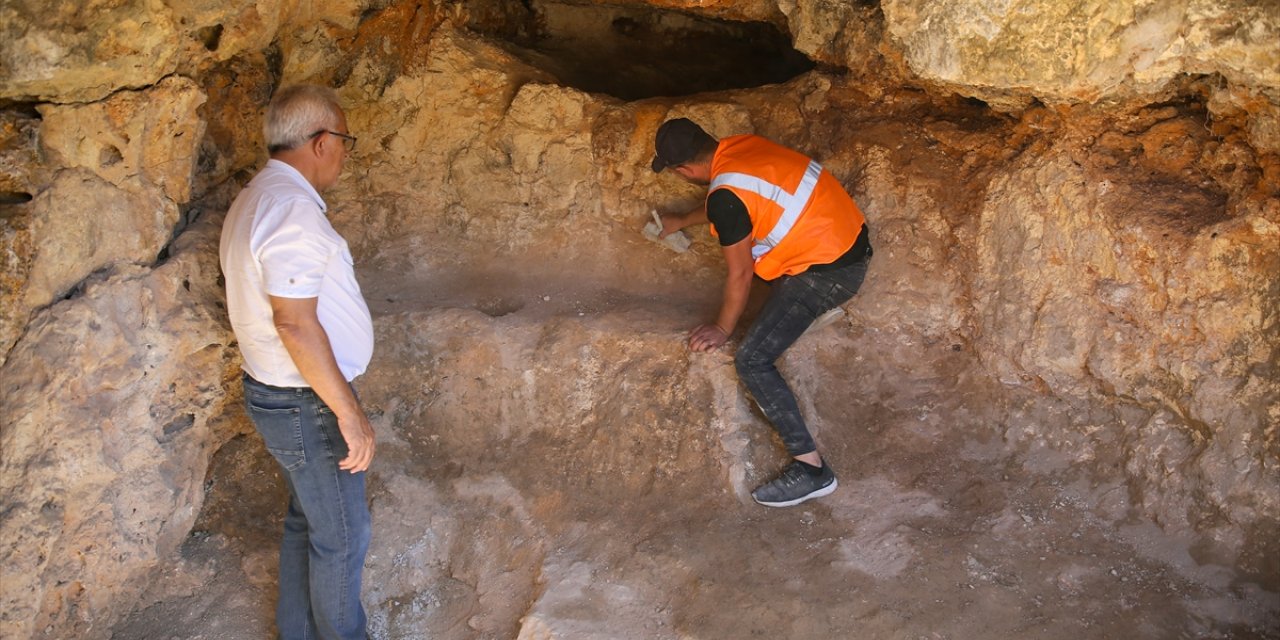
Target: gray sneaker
(796,485)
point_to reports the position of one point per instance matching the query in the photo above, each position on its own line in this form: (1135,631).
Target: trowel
(677,241)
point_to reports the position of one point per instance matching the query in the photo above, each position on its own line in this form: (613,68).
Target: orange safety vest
(800,215)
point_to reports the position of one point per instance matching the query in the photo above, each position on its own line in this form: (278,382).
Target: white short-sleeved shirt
(276,241)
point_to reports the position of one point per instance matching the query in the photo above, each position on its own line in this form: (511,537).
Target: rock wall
(1082,51)
(1110,257)
(1102,286)
(110,404)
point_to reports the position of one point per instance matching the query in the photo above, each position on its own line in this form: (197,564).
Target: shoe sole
(825,319)
(825,491)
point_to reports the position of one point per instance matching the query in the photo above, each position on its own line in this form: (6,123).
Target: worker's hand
(707,337)
(671,223)
(358,434)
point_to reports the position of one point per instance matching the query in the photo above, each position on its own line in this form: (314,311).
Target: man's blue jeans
(795,302)
(327,527)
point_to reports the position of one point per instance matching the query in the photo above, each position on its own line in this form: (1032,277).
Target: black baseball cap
(677,142)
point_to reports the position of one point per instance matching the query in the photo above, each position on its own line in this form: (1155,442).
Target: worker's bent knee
(748,361)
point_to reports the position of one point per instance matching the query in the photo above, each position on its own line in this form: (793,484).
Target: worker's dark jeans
(327,527)
(796,301)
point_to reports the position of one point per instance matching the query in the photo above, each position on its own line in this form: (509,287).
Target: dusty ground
(942,527)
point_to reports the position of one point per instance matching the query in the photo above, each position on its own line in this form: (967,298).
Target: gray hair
(297,112)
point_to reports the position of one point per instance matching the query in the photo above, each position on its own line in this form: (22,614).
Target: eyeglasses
(348,141)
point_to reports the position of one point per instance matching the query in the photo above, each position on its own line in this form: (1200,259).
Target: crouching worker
(780,216)
(305,332)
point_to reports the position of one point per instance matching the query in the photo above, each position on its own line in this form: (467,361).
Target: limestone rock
(425,118)
(125,164)
(1076,294)
(22,174)
(377,42)
(134,139)
(82,51)
(238,92)
(1234,38)
(637,415)
(227,28)
(15,269)
(1084,50)
(546,133)
(1263,114)
(82,223)
(1123,289)
(906,287)
(103,477)
(22,171)
(847,34)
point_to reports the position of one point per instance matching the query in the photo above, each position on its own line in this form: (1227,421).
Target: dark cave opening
(634,53)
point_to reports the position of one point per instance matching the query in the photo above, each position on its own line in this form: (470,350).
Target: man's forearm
(737,288)
(740,269)
(308,344)
(673,222)
(696,216)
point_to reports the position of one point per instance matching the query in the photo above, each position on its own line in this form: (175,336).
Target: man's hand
(358,434)
(671,223)
(707,337)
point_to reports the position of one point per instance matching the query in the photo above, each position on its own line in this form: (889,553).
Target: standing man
(780,216)
(305,332)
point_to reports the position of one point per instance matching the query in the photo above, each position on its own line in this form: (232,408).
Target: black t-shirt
(728,214)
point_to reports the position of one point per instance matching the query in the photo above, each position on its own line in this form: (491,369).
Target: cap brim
(657,165)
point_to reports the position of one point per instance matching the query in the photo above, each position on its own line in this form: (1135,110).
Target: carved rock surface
(1114,288)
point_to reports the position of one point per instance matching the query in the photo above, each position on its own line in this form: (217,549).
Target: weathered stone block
(104,440)
(134,139)
(81,224)
(81,51)
(1084,50)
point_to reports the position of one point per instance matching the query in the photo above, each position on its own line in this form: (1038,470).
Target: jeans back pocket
(281,430)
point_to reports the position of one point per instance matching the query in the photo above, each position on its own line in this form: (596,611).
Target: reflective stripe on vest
(792,204)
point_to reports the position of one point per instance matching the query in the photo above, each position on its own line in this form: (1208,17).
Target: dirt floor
(943,526)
